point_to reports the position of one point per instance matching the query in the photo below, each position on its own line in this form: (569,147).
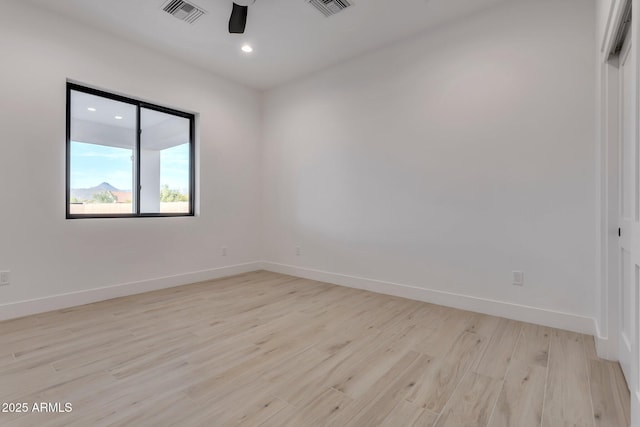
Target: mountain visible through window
(126,157)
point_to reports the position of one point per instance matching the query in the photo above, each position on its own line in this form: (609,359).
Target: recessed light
(91,109)
(118,117)
(246,48)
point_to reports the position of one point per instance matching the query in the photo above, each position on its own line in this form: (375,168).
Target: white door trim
(607,187)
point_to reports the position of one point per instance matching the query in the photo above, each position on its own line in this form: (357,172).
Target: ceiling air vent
(183,10)
(330,7)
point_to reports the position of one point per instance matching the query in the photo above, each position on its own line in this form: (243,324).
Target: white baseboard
(602,344)
(554,319)
(603,349)
(56,302)
(571,322)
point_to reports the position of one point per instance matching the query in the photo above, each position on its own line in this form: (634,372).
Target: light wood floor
(263,349)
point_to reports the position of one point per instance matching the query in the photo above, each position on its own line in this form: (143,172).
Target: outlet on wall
(518,278)
(297,250)
(223,251)
(5,278)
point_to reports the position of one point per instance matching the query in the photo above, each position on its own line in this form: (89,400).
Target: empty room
(320,213)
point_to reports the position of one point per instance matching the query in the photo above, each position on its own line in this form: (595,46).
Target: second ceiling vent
(330,7)
(183,10)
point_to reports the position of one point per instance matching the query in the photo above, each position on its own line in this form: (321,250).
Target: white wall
(443,162)
(446,161)
(49,255)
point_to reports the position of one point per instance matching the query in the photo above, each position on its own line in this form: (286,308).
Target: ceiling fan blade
(238,19)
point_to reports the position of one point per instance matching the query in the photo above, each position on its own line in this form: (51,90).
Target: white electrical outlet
(224,251)
(297,250)
(518,278)
(5,278)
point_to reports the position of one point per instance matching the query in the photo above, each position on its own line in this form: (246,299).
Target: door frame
(608,139)
(607,263)
(625,304)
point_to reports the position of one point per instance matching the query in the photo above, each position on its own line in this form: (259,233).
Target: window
(127,158)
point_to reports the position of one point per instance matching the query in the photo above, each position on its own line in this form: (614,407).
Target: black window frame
(139,105)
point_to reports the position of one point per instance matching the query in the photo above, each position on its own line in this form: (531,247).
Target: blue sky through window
(93,164)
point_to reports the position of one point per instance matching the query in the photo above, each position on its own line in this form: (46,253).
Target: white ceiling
(290,37)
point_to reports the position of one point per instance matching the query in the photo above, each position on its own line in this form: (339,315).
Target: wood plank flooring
(263,349)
